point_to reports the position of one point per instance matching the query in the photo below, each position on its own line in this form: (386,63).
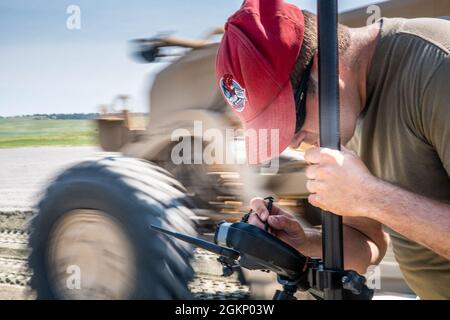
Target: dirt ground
(24,172)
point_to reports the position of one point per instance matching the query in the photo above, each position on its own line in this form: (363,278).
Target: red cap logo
(233,92)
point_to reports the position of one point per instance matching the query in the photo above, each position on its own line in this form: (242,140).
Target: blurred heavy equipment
(94,218)
(182,95)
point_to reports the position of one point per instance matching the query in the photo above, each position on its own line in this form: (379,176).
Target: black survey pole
(332,245)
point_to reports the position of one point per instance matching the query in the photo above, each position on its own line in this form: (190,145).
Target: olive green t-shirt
(403,134)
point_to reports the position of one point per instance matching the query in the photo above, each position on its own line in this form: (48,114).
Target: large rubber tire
(203,187)
(135,194)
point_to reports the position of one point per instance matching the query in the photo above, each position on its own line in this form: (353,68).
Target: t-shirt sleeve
(436,112)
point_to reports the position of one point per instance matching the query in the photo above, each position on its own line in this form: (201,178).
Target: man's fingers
(314,186)
(280,222)
(323,155)
(331,156)
(318,172)
(259,206)
(285,223)
(312,155)
(314,199)
(311,172)
(254,220)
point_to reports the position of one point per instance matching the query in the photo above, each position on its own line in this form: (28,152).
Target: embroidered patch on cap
(233,92)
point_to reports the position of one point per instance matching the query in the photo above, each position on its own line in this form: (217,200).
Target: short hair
(309,46)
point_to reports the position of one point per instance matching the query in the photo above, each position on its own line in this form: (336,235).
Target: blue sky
(46,68)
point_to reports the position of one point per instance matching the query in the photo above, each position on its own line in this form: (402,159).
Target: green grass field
(28,132)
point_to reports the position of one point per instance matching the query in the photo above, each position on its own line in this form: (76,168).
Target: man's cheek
(312,116)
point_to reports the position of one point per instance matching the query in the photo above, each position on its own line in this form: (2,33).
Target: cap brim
(272,131)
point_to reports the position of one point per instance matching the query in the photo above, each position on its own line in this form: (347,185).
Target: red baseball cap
(258,51)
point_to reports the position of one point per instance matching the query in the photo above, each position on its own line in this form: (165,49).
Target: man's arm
(365,243)
(340,183)
(418,218)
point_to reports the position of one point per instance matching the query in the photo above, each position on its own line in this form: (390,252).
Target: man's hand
(282,224)
(364,241)
(339,181)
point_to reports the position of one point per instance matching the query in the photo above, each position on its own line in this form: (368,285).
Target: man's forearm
(416,217)
(359,251)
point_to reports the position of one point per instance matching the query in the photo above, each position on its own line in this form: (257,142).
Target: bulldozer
(93,219)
